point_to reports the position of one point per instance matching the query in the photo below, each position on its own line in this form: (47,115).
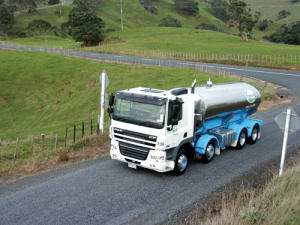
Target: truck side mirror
(111,100)
(110,110)
(174,121)
(175,110)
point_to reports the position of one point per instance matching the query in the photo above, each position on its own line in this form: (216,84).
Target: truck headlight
(113,147)
(155,157)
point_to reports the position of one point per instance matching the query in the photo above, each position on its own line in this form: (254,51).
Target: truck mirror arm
(174,122)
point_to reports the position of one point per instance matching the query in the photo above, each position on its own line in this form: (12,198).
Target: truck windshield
(139,113)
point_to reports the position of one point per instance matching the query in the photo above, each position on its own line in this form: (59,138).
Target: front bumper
(157,165)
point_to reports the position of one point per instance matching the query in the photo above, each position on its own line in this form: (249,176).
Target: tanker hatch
(209,83)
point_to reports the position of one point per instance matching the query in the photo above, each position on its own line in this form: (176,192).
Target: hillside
(134,15)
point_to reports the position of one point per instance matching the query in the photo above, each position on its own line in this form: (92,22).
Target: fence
(42,142)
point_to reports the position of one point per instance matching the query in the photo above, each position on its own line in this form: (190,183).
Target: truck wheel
(209,152)
(181,162)
(254,135)
(242,139)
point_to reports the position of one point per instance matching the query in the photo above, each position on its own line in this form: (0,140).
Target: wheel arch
(185,144)
(250,123)
(203,142)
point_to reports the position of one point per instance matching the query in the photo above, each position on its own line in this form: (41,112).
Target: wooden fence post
(74,132)
(32,142)
(91,126)
(66,137)
(16,152)
(0,141)
(42,141)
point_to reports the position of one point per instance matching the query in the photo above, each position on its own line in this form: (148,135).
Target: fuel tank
(212,100)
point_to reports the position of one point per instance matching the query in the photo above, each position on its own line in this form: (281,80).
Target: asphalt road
(108,192)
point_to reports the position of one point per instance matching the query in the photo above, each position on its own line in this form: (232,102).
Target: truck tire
(181,162)
(254,135)
(242,139)
(209,152)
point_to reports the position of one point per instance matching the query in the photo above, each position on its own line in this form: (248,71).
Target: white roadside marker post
(285,139)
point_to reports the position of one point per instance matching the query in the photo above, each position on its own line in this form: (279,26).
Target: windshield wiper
(149,124)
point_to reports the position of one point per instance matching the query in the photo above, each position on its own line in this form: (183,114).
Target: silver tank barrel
(222,98)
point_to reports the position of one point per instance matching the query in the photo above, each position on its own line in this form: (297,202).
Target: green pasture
(270,9)
(194,41)
(47,92)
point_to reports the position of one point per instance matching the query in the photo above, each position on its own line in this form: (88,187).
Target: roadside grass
(42,93)
(277,203)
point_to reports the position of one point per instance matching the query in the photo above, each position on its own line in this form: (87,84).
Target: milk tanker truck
(162,130)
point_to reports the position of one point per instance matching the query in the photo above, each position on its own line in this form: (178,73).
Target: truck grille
(133,151)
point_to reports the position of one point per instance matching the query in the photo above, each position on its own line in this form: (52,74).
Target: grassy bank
(277,203)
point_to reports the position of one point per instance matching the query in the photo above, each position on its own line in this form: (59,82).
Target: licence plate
(132,165)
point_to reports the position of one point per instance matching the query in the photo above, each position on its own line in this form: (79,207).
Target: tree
(6,17)
(170,22)
(283,14)
(218,8)
(287,33)
(264,24)
(27,5)
(2,1)
(241,17)
(187,6)
(149,6)
(38,27)
(93,5)
(85,26)
(53,2)
(294,1)
(16,32)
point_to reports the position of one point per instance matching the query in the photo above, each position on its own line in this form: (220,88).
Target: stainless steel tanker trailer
(162,130)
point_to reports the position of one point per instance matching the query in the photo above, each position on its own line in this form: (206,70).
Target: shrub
(149,6)
(287,33)
(205,26)
(264,24)
(53,2)
(16,32)
(283,14)
(170,22)
(63,154)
